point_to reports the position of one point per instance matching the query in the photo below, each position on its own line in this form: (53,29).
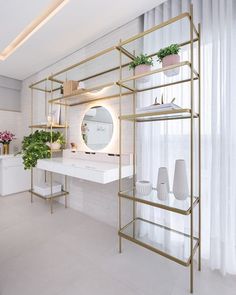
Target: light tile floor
(69,253)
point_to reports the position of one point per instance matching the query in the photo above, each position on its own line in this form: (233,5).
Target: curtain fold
(162,143)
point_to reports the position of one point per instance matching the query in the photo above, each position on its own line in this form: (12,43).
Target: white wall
(98,201)
(10,103)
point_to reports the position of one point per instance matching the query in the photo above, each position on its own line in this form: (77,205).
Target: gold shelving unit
(119,88)
(50,126)
(190,244)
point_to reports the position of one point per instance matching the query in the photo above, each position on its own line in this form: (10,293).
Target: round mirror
(97,128)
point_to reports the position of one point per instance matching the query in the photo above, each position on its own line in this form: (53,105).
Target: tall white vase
(180,185)
(162,192)
(163,178)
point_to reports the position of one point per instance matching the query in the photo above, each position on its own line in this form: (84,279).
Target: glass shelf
(45,126)
(100,92)
(159,115)
(125,82)
(167,242)
(171,204)
(56,195)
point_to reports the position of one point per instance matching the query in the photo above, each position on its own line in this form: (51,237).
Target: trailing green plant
(141,59)
(34,146)
(169,50)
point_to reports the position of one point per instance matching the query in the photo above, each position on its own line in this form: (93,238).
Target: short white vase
(163,178)
(180,185)
(162,193)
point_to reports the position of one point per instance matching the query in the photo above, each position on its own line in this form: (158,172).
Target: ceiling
(77,24)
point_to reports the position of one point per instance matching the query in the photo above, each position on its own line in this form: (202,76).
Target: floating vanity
(87,166)
(12,168)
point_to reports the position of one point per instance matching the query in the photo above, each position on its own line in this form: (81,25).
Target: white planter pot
(163,178)
(180,185)
(143,187)
(142,69)
(162,192)
(54,145)
(170,60)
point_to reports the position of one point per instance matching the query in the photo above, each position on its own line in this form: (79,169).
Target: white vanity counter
(95,171)
(13,177)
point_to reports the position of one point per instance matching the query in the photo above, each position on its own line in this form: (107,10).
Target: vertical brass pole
(134,152)
(51,198)
(66,191)
(199,147)
(46,116)
(191,146)
(120,150)
(31,120)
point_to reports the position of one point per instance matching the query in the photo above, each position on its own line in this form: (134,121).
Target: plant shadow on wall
(38,145)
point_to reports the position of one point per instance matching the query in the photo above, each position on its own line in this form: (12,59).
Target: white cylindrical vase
(162,193)
(163,178)
(180,185)
(143,187)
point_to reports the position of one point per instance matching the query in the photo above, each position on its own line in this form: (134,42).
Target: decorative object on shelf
(180,185)
(54,115)
(57,141)
(70,86)
(159,107)
(162,193)
(35,147)
(169,56)
(73,147)
(81,86)
(163,178)
(143,187)
(142,64)
(5,138)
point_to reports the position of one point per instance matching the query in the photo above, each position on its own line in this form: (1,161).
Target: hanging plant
(35,146)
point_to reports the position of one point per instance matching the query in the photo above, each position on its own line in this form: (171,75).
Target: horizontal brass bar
(126,52)
(149,114)
(164,85)
(155,28)
(38,82)
(44,126)
(147,246)
(41,89)
(146,120)
(99,99)
(84,61)
(158,205)
(81,92)
(62,193)
(160,70)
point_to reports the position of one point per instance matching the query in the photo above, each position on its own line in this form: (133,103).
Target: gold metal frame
(137,118)
(181,114)
(64,192)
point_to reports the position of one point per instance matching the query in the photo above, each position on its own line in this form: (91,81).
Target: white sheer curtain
(162,143)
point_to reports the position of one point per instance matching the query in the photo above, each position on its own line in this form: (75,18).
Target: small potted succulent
(5,138)
(169,56)
(141,64)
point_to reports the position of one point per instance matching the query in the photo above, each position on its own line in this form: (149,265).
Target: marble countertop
(100,172)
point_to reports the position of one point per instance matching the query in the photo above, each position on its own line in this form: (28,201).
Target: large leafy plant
(169,50)
(34,146)
(141,59)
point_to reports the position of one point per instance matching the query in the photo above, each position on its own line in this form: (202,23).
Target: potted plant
(35,146)
(57,141)
(169,56)
(5,138)
(141,64)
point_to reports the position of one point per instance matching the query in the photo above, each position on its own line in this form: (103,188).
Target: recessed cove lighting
(34,26)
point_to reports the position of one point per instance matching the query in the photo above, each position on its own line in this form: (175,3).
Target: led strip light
(34,26)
